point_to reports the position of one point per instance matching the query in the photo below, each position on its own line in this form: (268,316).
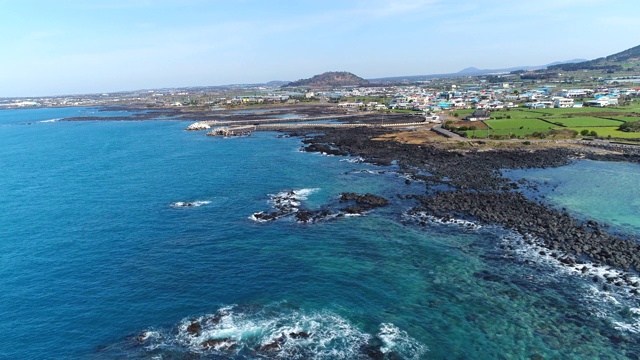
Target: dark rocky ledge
(288,203)
(479,192)
(363,203)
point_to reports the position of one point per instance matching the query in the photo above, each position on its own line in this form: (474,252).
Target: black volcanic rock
(476,190)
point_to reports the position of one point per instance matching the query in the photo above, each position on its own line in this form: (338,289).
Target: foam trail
(275,331)
(607,292)
(197,203)
(424,218)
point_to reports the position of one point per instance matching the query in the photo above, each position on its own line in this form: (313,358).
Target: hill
(330,79)
(470,71)
(615,62)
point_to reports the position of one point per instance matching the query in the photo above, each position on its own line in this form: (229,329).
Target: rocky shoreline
(246,115)
(468,184)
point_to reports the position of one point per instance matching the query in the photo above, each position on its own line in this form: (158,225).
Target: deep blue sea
(99,261)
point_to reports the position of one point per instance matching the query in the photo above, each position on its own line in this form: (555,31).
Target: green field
(511,127)
(610,131)
(581,121)
(519,124)
(625,118)
(524,122)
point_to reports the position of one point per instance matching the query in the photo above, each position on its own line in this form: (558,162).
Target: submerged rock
(225,343)
(194,328)
(299,335)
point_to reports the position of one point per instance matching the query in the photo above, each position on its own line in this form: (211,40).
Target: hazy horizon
(76,47)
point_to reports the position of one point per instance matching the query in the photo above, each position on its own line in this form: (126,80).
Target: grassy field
(463,112)
(519,124)
(584,121)
(625,118)
(512,127)
(610,131)
(522,122)
(506,133)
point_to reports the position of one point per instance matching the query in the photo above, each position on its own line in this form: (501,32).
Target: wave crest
(274,331)
(197,203)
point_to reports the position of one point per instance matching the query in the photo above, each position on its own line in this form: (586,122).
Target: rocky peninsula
(467,183)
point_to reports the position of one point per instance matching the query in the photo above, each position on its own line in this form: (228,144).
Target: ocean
(100,257)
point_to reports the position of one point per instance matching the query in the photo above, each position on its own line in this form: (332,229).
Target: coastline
(468,168)
(477,192)
(436,284)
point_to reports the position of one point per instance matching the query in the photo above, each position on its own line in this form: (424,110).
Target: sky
(66,47)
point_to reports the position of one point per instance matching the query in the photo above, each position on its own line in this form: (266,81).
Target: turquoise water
(606,192)
(94,252)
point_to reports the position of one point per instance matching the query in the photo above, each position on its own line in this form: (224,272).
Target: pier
(244,130)
(246,127)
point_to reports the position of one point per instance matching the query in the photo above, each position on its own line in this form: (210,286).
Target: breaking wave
(424,219)
(606,292)
(272,332)
(197,203)
(354,160)
(283,203)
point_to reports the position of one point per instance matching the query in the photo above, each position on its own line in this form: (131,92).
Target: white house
(602,102)
(563,102)
(350,105)
(575,93)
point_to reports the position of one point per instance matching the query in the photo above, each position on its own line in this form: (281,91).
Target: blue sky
(93,46)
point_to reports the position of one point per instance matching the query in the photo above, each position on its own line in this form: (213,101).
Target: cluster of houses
(422,99)
(419,97)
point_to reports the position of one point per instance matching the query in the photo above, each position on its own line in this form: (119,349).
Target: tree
(448,124)
(593,133)
(631,126)
(584,132)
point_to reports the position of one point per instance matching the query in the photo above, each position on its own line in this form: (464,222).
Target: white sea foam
(256,218)
(295,195)
(355,215)
(196,203)
(372,172)
(398,341)
(354,160)
(50,120)
(284,203)
(277,331)
(604,303)
(422,216)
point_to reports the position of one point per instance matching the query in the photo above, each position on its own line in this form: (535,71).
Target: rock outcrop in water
(363,203)
(288,203)
(274,332)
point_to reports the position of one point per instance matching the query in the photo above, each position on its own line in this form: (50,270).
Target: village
(481,92)
(495,106)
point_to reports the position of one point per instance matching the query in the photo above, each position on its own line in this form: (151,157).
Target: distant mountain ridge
(470,71)
(329,79)
(342,78)
(611,62)
(626,55)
